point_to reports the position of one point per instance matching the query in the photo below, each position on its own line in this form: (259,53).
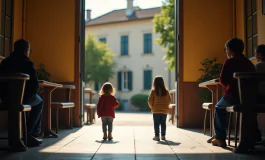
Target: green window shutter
(147,79)
(119,81)
(145,43)
(96,86)
(124,45)
(148,43)
(103,40)
(130,80)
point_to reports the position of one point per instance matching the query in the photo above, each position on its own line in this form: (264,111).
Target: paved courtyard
(133,135)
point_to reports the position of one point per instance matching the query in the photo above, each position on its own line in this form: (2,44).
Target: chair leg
(236,129)
(205,118)
(71,118)
(25,129)
(94,114)
(57,120)
(229,128)
(173,114)
(169,115)
(91,115)
(87,116)
(211,124)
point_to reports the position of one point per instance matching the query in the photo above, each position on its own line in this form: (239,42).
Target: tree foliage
(99,62)
(164,24)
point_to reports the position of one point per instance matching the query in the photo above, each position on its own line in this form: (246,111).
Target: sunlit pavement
(133,135)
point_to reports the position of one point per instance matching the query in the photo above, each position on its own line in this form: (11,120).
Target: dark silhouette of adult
(19,61)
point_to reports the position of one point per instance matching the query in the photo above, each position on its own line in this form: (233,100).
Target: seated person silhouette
(19,61)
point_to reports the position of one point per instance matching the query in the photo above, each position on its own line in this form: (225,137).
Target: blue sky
(100,7)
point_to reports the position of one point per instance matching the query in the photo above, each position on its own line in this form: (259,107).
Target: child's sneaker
(156,138)
(163,138)
(105,136)
(110,136)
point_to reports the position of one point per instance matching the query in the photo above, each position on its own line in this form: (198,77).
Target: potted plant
(42,73)
(210,70)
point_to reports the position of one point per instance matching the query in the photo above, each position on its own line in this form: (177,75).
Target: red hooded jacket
(106,105)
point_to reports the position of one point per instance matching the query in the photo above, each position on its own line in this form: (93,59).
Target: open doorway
(126,27)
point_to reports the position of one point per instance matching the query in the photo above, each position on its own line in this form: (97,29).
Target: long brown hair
(107,88)
(159,86)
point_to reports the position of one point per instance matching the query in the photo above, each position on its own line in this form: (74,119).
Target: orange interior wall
(50,28)
(208,24)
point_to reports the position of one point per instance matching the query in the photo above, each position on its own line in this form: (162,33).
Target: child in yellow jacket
(159,100)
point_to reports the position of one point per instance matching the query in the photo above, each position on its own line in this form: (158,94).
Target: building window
(103,40)
(251,27)
(148,43)
(124,45)
(147,79)
(97,86)
(125,80)
(6,20)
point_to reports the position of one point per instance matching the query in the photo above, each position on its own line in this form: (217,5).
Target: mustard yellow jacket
(159,104)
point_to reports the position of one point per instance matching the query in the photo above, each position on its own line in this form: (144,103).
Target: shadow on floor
(107,141)
(46,141)
(168,142)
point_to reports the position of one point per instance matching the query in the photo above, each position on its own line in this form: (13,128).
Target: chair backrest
(248,87)
(12,87)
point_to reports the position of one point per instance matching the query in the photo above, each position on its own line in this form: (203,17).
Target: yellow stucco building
(129,34)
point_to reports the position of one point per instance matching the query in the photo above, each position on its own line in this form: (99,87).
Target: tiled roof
(120,16)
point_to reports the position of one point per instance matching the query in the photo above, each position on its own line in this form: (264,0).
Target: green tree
(99,62)
(164,24)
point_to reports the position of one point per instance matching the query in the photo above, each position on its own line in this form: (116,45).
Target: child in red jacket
(105,108)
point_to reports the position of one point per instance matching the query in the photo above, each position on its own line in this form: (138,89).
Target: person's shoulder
(101,97)
(112,96)
(230,60)
(29,62)
(5,60)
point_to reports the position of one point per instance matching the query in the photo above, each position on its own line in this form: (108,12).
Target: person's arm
(151,99)
(116,103)
(99,104)
(226,75)
(33,82)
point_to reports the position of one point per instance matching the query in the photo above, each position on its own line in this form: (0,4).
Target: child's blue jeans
(160,119)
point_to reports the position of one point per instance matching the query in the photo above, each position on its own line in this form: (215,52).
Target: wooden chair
(172,110)
(207,107)
(247,109)
(172,106)
(12,87)
(90,107)
(64,105)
